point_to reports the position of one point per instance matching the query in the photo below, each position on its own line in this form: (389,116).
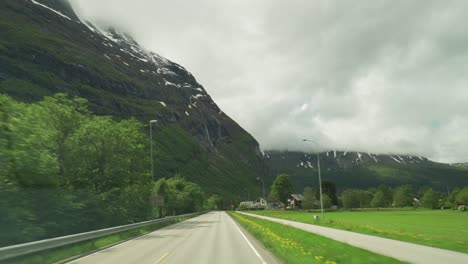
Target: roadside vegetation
(293,245)
(446,229)
(64,170)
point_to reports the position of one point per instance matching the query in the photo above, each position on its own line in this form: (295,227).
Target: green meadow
(446,229)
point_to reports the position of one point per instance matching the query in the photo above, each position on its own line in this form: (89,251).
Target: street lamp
(319,176)
(153,203)
(263,184)
(151,138)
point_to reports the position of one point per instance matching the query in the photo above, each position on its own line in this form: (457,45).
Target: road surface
(210,238)
(404,251)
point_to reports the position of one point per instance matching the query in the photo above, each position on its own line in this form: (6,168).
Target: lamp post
(319,176)
(151,144)
(263,184)
(153,196)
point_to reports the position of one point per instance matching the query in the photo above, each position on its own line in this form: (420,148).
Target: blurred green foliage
(64,170)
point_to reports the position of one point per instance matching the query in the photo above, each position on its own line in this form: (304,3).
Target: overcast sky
(371,76)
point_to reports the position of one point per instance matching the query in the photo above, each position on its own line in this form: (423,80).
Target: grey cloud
(374,76)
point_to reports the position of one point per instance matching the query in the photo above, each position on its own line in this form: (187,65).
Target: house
(245,205)
(295,200)
(260,203)
(274,205)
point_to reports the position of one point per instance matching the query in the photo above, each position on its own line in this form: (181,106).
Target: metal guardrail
(32,247)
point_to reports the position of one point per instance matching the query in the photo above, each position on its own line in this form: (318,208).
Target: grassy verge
(438,228)
(67,252)
(293,245)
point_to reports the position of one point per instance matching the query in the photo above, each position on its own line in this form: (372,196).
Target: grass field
(443,229)
(293,245)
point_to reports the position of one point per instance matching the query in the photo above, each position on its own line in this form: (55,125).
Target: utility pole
(319,176)
(320,185)
(263,184)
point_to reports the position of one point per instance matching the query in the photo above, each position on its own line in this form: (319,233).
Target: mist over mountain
(373,76)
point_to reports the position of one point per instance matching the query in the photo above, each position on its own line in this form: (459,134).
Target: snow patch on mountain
(53,10)
(373,157)
(167,83)
(395,159)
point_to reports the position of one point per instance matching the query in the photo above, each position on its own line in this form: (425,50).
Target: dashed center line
(161,259)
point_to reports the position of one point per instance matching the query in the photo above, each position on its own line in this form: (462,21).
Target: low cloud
(374,76)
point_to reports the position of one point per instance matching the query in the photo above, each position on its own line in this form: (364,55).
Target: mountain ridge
(349,169)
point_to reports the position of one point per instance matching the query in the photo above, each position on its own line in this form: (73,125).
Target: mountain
(364,170)
(460,165)
(46,49)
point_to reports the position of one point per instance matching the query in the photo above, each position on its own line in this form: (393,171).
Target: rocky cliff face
(45,48)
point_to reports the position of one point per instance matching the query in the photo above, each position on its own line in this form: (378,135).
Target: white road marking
(248,242)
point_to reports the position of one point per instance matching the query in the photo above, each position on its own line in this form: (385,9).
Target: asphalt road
(210,238)
(404,251)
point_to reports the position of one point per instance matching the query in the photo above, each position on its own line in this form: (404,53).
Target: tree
(430,199)
(104,154)
(421,191)
(350,199)
(329,188)
(281,188)
(451,198)
(161,190)
(327,202)
(183,196)
(214,202)
(9,111)
(309,200)
(388,195)
(378,200)
(462,196)
(67,171)
(365,198)
(403,196)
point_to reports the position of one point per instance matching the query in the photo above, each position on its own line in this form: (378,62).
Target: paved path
(404,251)
(210,238)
